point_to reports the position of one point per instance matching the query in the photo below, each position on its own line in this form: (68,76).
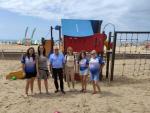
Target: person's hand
(102,66)
(50,74)
(24,74)
(38,74)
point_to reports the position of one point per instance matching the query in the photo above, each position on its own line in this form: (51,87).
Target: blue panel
(79,28)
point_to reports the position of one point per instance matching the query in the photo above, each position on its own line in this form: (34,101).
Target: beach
(126,94)
(15,48)
(72,37)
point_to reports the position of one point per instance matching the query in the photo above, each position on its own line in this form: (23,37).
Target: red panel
(88,43)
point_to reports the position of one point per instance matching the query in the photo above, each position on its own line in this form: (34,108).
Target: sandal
(94,93)
(84,91)
(81,90)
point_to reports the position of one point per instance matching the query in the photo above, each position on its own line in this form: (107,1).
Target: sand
(15,48)
(126,94)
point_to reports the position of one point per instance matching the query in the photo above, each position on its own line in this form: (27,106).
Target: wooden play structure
(48,46)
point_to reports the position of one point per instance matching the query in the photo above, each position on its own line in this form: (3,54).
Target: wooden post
(108,55)
(113,56)
(52,40)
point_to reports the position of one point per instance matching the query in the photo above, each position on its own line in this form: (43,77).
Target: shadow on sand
(123,80)
(52,95)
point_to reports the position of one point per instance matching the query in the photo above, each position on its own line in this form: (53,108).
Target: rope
(129,44)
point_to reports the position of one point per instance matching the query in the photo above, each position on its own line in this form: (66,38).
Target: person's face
(41,49)
(93,55)
(56,51)
(70,52)
(82,55)
(31,51)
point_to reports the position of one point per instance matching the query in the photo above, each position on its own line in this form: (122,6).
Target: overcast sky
(15,15)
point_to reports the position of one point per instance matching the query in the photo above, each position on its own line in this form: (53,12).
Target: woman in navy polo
(29,68)
(95,65)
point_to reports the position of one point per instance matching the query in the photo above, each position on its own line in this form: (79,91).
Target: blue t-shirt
(83,64)
(94,64)
(30,64)
(57,61)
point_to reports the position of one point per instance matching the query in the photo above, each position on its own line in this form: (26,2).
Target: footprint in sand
(113,110)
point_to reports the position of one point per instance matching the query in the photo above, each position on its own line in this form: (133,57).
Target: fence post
(108,55)
(52,40)
(113,56)
(3,56)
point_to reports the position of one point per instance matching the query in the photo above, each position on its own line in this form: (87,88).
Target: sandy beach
(126,94)
(15,47)
(72,37)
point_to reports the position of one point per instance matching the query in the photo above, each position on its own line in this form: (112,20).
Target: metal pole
(113,56)
(52,40)
(108,55)
(60,36)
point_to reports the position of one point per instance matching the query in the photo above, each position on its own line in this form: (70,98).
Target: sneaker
(57,91)
(84,91)
(32,94)
(63,92)
(26,95)
(47,93)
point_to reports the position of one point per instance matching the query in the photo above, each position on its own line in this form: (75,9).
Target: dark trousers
(58,73)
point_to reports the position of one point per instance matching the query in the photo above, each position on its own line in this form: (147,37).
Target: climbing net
(132,56)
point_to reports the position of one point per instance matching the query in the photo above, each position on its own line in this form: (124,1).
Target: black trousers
(58,73)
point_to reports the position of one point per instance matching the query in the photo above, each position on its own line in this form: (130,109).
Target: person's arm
(23,64)
(50,69)
(75,62)
(37,65)
(78,66)
(23,69)
(50,64)
(102,63)
(64,61)
(87,62)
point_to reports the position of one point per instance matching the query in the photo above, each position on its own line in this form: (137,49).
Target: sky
(16,15)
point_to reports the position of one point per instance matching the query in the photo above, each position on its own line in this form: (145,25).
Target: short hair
(93,52)
(56,47)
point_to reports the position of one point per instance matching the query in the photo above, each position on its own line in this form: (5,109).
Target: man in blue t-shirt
(57,64)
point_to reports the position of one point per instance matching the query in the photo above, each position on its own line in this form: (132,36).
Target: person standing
(83,70)
(57,65)
(95,65)
(29,68)
(70,67)
(42,68)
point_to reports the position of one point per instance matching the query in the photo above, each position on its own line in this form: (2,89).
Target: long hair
(44,50)
(80,55)
(28,54)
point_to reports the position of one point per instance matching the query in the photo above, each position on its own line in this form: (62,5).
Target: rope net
(132,54)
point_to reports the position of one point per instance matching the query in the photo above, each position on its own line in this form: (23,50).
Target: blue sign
(80,28)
